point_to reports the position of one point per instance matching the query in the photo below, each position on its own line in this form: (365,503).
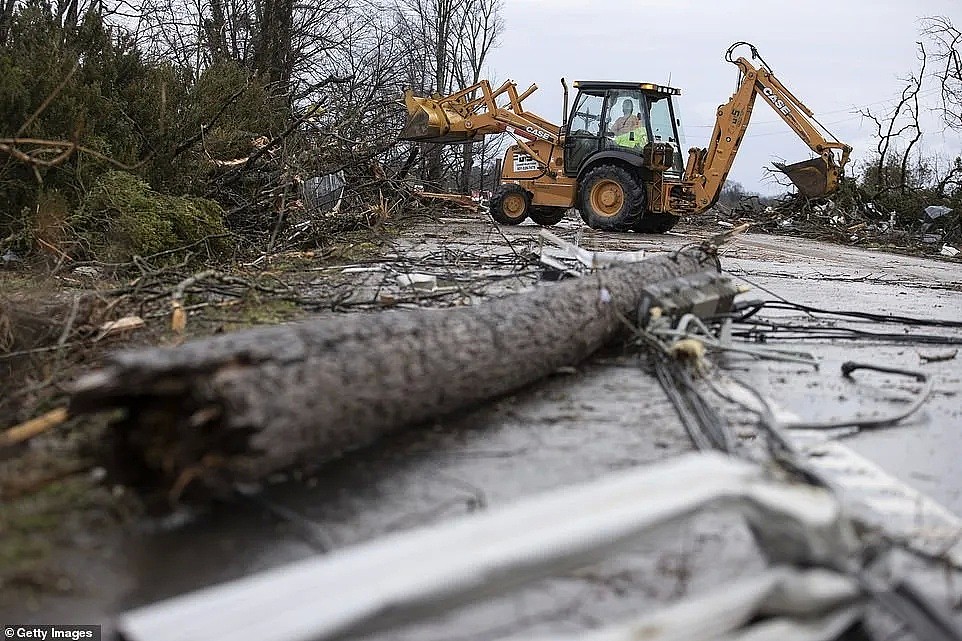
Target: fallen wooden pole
(239,407)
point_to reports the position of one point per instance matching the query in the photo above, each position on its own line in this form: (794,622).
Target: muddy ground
(77,547)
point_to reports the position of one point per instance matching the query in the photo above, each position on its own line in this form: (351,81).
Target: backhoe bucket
(428,121)
(814,178)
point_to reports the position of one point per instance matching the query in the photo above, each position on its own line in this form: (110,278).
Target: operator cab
(619,118)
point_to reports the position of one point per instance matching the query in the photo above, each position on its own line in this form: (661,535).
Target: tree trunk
(71,17)
(432,155)
(239,407)
(408,163)
(467,157)
(273,55)
(216,29)
(6,19)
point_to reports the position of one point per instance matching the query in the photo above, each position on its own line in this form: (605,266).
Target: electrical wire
(688,417)
(753,307)
(704,425)
(768,332)
(869,423)
(737,306)
(707,429)
(747,326)
(900,599)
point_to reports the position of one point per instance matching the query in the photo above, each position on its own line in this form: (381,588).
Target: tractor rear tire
(611,198)
(510,204)
(652,223)
(547,216)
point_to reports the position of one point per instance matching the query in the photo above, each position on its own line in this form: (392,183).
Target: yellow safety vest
(635,138)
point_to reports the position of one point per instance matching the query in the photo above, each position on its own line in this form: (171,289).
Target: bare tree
(7,8)
(68,14)
(899,132)
(947,58)
(362,114)
(482,26)
(453,39)
(278,39)
(430,26)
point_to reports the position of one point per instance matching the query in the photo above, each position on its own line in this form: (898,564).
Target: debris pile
(937,230)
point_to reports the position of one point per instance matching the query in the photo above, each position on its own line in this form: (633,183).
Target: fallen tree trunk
(238,407)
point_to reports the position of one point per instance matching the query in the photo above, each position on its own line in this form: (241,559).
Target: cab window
(625,123)
(586,116)
(663,125)
(662,128)
(584,129)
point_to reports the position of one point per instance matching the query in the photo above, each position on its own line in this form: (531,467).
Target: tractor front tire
(510,204)
(547,216)
(611,198)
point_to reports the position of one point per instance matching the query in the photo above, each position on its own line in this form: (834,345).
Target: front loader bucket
(814,178)
(428,121)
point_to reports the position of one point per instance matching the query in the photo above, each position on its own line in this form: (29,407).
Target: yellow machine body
(621,177)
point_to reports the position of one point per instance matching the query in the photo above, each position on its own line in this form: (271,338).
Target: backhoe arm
(707,168)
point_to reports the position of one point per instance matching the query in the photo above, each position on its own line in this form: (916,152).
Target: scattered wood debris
(119,326)
(33,427)
(939,357)
(862,223)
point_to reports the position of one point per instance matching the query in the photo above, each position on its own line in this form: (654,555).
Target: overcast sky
(835,55)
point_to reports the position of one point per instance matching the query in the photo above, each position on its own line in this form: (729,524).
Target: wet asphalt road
(607,414)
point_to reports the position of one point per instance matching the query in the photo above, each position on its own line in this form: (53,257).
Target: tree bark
(273,49)
(216,29)
(467,159)
(239,407)
(6,19)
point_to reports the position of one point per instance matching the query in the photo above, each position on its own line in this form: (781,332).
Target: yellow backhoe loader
(618,156)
